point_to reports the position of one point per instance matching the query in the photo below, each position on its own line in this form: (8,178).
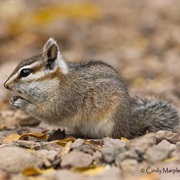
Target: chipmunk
(91,97)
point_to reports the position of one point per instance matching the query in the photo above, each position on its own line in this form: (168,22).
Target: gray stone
(109,153)
(166,144)
(157,153)
(131,154)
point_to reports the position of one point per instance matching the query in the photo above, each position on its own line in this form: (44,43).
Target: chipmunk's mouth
(20,94)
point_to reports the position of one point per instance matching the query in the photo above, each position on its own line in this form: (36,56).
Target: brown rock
(47,157)
(76,159)
(51,146)
(77,142)
(168,135)
(113,142)
(15,159)
(142,143)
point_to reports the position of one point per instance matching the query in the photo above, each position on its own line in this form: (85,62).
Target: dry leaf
(65,150)
(32,171)
(40,136)
(11,137)
(90,171)
(172,159)
(63,142)
(124,139)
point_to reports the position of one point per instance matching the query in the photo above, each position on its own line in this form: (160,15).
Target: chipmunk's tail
(152,115)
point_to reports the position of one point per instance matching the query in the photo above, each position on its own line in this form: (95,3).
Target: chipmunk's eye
(25,72)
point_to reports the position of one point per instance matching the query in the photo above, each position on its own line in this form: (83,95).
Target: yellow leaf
(63,142)
(40,136)
(172,159)
(32,171)
(124,139)
(89,171)
(11,137)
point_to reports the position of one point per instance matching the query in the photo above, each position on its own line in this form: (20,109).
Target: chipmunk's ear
(52,56)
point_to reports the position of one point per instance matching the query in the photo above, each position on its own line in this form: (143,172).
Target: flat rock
(15,160)
(166,144)
(157,153)
(76,159)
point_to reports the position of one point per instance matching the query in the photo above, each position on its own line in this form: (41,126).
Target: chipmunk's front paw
(19,102)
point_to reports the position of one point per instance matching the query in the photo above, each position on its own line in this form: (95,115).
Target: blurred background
(141,39)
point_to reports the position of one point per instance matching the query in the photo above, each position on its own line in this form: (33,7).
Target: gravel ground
(140,39)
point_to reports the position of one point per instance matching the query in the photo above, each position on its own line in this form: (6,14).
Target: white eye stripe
(38,75)
(29,66)
(15,76)
(59,63)
(35,76)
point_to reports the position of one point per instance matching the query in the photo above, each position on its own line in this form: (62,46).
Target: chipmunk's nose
(6,85)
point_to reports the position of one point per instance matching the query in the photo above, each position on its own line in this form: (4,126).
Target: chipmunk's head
(34,77)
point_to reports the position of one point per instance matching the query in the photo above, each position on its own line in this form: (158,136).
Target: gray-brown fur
(152,115)
(91,98)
